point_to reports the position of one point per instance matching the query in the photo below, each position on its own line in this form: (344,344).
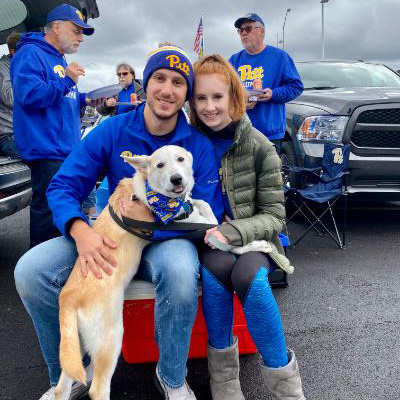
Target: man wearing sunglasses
(128,98)
(270,76)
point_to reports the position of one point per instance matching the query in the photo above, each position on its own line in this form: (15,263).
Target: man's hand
(250,103)
(135,209)
(93,249)
(74,71)
(266,96)
(111,102)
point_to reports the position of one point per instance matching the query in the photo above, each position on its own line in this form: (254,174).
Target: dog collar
(166,208)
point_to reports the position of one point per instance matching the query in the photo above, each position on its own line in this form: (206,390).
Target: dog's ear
(138,162)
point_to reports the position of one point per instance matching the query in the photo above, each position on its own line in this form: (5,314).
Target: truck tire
(288,158)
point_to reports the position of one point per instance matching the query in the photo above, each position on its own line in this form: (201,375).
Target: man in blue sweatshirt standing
(47,106)
(172,265)
(270,73)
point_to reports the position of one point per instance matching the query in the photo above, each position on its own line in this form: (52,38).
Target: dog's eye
(181,159)
(160,165)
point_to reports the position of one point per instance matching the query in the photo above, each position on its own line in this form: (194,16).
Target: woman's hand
(93,249)
(135,209)
(217,234)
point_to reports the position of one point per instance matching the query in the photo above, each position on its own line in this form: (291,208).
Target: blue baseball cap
(249,17)
(66,12)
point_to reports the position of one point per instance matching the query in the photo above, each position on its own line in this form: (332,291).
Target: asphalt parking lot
(340,313)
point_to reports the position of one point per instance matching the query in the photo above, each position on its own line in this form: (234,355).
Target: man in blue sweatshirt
(47,106)
(172,265)
(270,73)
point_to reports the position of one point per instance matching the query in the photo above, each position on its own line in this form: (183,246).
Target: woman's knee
(245,270)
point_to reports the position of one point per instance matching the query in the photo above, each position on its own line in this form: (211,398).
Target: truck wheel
(288,158)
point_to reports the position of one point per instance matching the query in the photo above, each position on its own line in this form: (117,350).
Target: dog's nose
(176,179)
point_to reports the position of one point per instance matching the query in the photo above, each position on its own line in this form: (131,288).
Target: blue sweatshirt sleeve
(291,85)
(31,86)
(77,177)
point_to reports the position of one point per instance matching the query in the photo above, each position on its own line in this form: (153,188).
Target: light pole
(283,28)
(322,29)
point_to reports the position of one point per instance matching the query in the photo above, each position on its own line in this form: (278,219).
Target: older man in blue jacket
(172,265)
(47,106)
(270,74)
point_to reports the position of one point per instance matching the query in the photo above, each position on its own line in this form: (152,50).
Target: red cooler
(138,345)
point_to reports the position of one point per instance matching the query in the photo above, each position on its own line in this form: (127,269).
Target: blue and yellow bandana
(173,58)
(165,208)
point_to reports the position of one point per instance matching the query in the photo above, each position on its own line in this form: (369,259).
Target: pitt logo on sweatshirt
(249,74)
(59,69)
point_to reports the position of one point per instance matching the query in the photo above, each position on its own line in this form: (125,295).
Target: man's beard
(68,47)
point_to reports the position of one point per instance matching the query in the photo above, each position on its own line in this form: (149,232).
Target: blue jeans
(171,265)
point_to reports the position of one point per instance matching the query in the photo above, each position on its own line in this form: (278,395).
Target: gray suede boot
(284,383)
(223,366)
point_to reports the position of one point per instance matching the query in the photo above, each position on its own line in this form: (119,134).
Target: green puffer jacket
(252,176)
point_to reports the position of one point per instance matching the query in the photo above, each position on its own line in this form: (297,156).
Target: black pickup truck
(349,102)
(15,186)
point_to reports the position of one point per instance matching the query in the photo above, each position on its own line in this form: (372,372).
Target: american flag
(199,40)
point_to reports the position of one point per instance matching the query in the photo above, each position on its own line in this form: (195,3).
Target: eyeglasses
(123,73)
(247,28)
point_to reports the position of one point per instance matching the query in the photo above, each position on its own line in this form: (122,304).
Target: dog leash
(146,228)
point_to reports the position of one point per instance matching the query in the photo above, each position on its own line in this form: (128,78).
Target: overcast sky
(128,29)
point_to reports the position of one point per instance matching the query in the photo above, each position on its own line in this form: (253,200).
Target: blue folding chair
(322,186)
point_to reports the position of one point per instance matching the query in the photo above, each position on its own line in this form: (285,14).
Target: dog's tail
(70,349)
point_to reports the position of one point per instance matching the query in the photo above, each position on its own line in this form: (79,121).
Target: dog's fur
(91,308)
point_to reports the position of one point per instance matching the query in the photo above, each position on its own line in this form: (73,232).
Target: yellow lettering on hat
(175,62)
(59,69)
(79,14)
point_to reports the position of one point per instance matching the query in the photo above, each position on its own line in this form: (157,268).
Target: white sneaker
(182,393)
(78,390)
(49,395)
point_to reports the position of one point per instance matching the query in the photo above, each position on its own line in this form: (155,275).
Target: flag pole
(202,50)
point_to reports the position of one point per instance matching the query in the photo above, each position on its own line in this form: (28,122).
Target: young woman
(250,174)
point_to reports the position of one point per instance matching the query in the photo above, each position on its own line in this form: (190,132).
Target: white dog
(91,308)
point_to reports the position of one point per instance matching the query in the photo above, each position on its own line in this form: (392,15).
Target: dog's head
(168,170)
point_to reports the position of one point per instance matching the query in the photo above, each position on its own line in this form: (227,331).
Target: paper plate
(254,92)
(105,91)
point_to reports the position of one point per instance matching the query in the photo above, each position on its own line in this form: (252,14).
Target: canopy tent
(30,15)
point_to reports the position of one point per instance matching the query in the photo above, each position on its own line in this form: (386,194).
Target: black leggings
(234,272)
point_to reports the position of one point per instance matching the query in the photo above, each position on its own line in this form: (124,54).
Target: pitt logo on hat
(79,15)
(175,62)
(173,58)
(59,69)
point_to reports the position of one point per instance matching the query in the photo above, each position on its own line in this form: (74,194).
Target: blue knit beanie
(173,58)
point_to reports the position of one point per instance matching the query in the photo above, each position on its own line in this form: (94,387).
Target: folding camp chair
(322,187)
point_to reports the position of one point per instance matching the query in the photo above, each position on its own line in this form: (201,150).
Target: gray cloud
(127,30)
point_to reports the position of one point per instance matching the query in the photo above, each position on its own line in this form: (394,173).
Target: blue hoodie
(100,151)
(277,71)
(46,102)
